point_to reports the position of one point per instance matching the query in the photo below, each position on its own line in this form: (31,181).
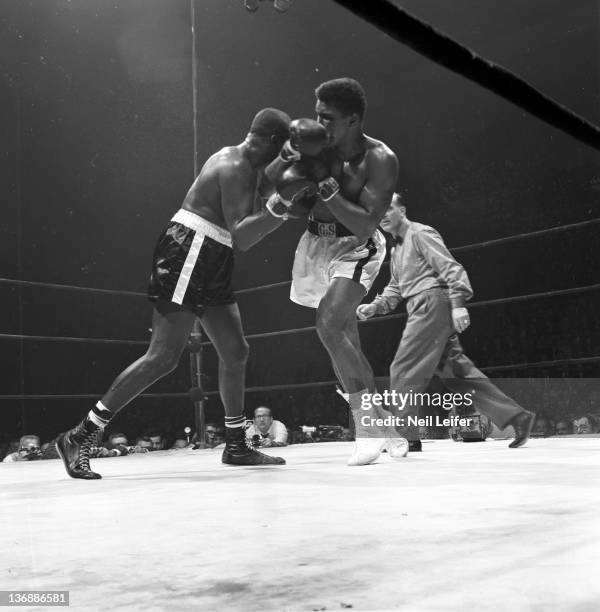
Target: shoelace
(84,452)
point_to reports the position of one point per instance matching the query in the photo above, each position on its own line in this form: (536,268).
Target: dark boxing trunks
(192,264)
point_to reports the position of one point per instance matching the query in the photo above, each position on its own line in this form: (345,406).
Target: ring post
(196,391)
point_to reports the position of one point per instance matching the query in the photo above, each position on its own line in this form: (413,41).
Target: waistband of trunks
(328,230)
(202,226)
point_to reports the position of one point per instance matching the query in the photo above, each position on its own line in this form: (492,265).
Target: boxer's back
(204,196)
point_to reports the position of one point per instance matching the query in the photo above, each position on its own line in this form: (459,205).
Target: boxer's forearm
(361,222)
(254,228)
(276,168)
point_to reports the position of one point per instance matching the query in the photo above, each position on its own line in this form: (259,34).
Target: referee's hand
(366,311)
(461,319)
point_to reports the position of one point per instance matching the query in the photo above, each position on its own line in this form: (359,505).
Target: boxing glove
(307,137)
(294,182)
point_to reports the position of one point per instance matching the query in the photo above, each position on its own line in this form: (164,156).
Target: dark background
(97,153)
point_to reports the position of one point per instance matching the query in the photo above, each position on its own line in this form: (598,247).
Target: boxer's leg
(335,316)
(171,326)
(223,326)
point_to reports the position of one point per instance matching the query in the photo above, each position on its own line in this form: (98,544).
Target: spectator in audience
(542,427)
(179,443)
(211,436)
(586,424)
(117,445)
(143,445)
(13,446)
(29,450)
(265,431)
(117,439)
(49,450)
(563,428)
(157,439)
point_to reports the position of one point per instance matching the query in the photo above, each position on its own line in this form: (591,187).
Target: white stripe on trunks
(188,268)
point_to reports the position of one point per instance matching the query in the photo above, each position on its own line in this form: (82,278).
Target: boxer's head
(340,108)
(394,216)
(268,131)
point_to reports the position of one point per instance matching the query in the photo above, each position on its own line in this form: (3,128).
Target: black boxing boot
(415,446)
(237,451)
(74,448)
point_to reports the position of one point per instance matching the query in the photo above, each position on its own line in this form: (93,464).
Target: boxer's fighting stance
(339,256)
(436,289)
(191,277)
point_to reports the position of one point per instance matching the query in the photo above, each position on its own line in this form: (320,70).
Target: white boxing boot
(397,448)
(370,441)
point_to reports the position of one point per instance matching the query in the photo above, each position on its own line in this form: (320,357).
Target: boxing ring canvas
(108,109)
(457,527)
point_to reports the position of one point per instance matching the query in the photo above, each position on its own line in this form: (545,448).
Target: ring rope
(516,366)
(70,339)
(38,396)
(496,241)
(444,51)
(548,230)
(465,247)
(516,298)
(25,283)
(284,332)
(309,385)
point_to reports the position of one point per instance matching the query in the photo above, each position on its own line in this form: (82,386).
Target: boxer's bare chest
(351,176)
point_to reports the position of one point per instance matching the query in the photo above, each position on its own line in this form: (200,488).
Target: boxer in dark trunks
(191,277)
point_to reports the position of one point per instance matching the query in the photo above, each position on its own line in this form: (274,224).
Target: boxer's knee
(161,364)
(330,328)
(236,355)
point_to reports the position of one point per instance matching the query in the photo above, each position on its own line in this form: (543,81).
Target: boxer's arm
(363,217)
(237,186)
(276,168)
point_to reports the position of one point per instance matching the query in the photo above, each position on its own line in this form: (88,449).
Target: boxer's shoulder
(376,149)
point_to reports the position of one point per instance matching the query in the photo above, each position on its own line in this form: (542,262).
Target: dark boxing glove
(293,180)
(307,137)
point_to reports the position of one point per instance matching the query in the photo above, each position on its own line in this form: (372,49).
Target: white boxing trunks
(326,251)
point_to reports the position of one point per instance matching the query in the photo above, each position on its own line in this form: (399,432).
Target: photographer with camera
(29,450)
(265,431)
